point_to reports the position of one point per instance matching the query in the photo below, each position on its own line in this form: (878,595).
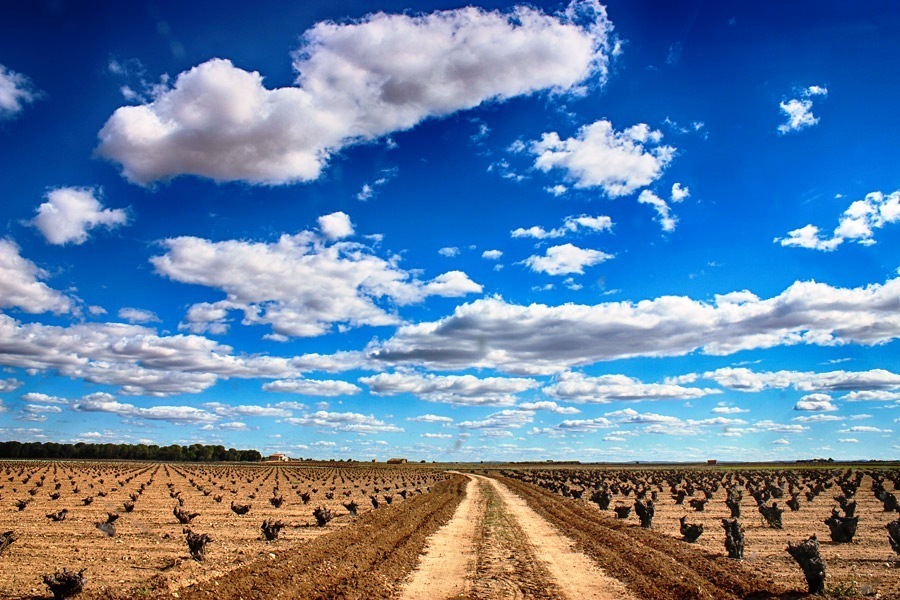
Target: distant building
(397,461)
(712,462)
(279,457)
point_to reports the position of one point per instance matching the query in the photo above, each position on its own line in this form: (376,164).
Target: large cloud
(745,380)
(69,213)
(20,285)
(141,361)
(301,285)
(493,333)
(101,402)
(450,389)
(356,82)
(618,162)
(651,423)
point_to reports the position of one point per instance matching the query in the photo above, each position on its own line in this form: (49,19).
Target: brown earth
(653,567)
(148,545)
(443,571)
(655,563)
(522,545)
(546,557)
(364,561)
(507,566)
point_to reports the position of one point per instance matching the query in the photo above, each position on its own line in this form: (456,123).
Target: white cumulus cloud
(248,410)
(10,385)
(663,211)
(20,285)
(799,110)
(70,213)
(566,259)
(465,390)
(815,403)
(102,402)
(680,192)
(40,398)
(857,224)
(548,339)
(429,418)
(502,420)
(142,362)
(328,388)
(868,385)
(301,284)
(576,426)
(137,315)
(618,162)
(336,226)
(570,225)
(722,408)
(864,429)
(15,92)
(577,387)
(344,422)
(549,407)
(355,82)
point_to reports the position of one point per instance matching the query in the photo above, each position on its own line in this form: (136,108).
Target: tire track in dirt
(450,553)
(506,566)
(496,547)
(572,574)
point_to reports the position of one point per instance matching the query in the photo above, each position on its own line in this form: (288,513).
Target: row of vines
(845,518)
(64,524)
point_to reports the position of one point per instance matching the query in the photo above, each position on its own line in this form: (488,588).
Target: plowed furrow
(652,566)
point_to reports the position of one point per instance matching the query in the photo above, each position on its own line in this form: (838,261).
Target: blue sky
(606,232)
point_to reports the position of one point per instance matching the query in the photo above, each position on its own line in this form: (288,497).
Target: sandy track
(449,553)
(576,575)
(496,546)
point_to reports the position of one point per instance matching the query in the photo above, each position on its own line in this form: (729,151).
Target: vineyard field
(142,530)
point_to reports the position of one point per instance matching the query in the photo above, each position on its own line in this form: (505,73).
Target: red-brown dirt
(148,543)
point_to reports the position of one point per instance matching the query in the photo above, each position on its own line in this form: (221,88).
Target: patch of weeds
(848,589)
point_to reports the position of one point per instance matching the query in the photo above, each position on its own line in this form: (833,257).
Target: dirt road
(450,552)
(496,546)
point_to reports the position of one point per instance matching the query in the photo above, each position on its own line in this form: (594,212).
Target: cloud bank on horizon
(460,233)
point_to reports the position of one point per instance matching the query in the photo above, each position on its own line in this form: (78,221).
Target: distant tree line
(81,450)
